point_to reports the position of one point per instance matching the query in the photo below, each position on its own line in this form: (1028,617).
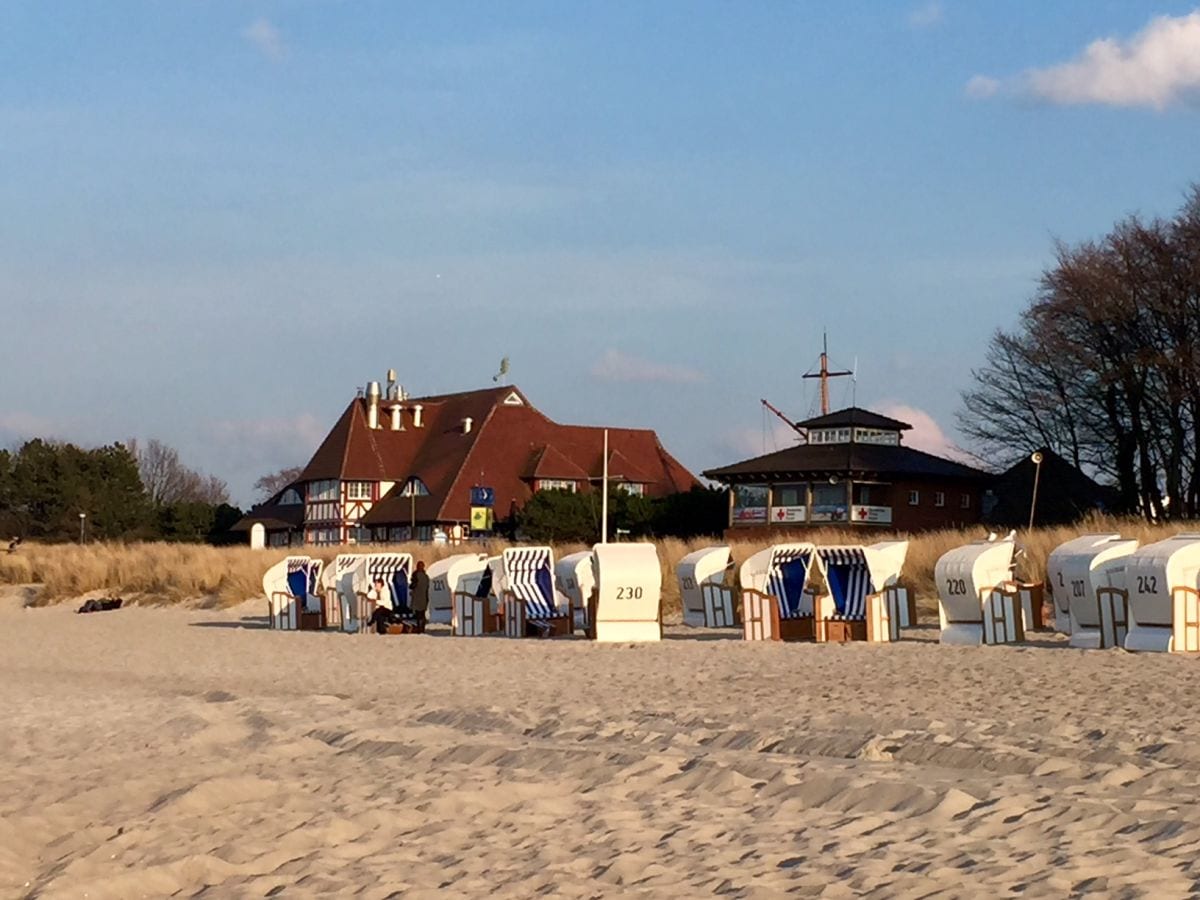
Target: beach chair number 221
(629,593)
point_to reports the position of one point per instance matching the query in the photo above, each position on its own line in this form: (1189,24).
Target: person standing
(419,595)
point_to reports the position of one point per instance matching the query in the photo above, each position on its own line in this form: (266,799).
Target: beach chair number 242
(1147,584)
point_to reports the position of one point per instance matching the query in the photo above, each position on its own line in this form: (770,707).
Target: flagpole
(604,494)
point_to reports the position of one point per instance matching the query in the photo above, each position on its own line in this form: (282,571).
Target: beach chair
(531,605)
(899,596)
(452,584)
(976,603)
(573,575)
(775,603)
(857,607)
(1087,589)
(1162,581)
(396,571)
(707,601)
(626,604)
(337,592)
(292,587)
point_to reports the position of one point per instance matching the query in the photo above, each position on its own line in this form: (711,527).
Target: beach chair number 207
(956,587)
(629,593)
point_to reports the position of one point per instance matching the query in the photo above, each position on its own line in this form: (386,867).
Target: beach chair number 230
(629,593)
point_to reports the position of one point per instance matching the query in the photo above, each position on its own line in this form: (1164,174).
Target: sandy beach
(169,752)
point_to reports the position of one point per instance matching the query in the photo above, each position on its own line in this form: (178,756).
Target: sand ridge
(163,752)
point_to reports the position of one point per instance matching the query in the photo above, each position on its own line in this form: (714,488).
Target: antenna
(824,374)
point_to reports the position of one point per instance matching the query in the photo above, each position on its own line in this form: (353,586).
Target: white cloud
(982,86)
(617,366)
(927,15)
(926,433)
(266,38)
(1157,67)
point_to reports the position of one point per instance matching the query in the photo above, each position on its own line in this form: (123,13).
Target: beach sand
(168,752)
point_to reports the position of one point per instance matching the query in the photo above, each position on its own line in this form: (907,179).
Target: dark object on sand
(14,544)
(100,605)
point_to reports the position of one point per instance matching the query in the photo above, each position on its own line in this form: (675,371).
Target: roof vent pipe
(397,422)
(467,425)
(417,415)
(373,404)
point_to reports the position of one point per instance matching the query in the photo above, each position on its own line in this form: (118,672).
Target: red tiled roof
(507,447)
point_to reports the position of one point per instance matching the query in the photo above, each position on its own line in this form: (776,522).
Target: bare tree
(167,480)
(271,484)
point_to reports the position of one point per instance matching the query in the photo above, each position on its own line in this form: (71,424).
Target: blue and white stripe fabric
(848,578)
(297,576)
(393,569)
(786,579)
(528,572)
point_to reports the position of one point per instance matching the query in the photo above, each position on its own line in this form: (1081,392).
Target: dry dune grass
(223,576)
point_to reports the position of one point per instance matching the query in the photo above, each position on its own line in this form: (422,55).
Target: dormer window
(556,484)
(290,497)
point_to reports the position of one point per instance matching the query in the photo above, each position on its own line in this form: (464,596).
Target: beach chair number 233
(629,593)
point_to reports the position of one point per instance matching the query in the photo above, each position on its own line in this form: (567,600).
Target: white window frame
(632,488)
(965,502)
(557,484)
(914,498)
(358,490)
(939,498)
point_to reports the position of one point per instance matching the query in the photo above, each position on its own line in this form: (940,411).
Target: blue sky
(220,218)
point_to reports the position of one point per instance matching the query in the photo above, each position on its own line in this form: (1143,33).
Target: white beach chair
(626,602)
(858,606)
(292,587)
(1163,582)
(396,571)
(775,603)
(529,597)
(452,585)
(708,602)
(974,606)
(1087,587)
(573,575)
(337,592)
(896,552)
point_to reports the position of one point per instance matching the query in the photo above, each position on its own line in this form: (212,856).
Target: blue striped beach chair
(530,602)
(293,587)
(776,606)
(856,608)
(395,569)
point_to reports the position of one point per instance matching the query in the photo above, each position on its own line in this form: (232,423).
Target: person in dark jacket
(418,595)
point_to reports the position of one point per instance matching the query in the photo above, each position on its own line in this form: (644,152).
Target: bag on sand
(100,605)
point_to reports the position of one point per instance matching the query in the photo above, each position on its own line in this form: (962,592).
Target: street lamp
(1035,458)
(82,519)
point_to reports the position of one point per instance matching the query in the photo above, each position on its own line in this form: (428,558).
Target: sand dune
(164,752)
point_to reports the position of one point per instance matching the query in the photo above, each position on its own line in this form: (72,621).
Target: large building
(396,468)
(852,470)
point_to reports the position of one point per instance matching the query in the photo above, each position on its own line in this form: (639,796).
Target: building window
(633,488)
(358,490)
(966,501)
(939,498)
(291,497)
(413,486)
(323,490)
(914,498)
(556,484)
(749,503)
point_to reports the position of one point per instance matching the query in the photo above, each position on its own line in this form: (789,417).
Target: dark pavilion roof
(819,460)
(855,415)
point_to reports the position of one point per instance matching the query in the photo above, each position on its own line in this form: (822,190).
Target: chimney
(467,425)
(373,404)
(396,409)
(391,384)
(417,415)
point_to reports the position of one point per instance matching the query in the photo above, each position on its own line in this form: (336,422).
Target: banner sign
(789,513)
(877,515)
(481,518)
(483,496)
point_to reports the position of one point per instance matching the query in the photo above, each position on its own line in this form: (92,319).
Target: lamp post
(1036,459)
(82,519)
